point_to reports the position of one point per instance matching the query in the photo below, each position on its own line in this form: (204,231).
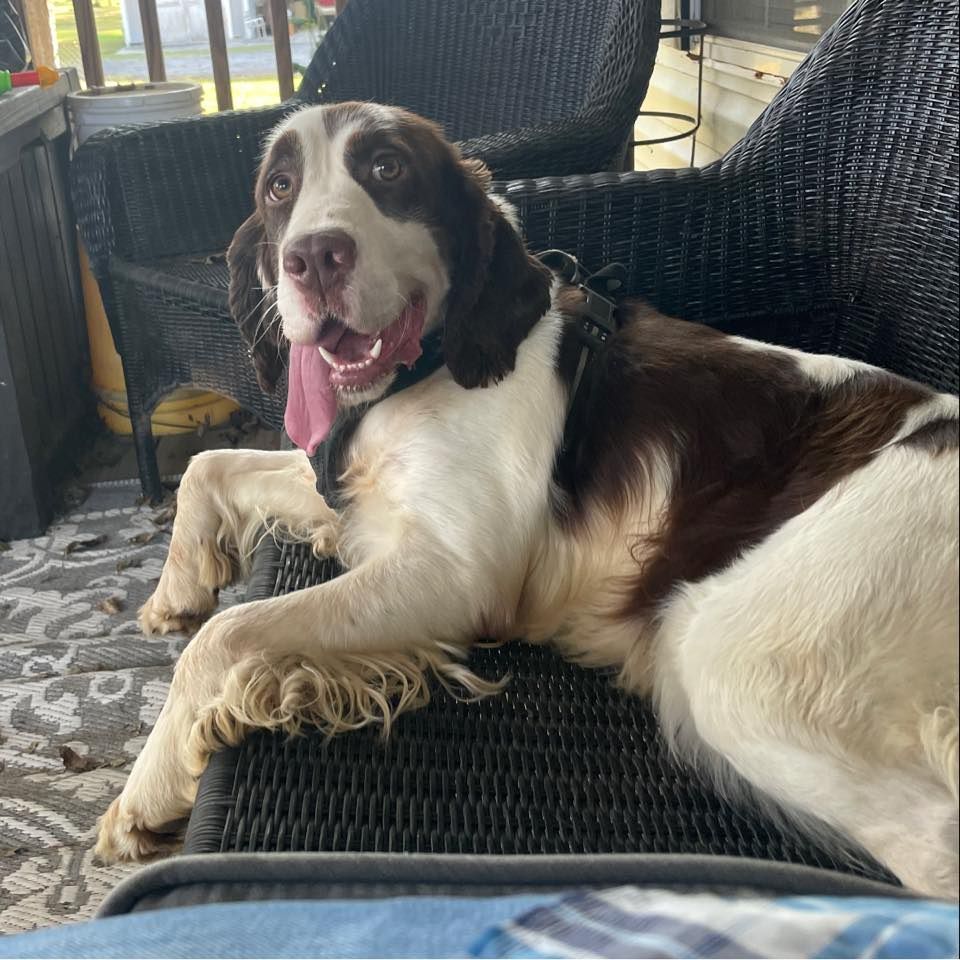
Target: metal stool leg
(146,449)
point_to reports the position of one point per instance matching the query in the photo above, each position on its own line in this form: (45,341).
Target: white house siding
(739,80)
(181,21)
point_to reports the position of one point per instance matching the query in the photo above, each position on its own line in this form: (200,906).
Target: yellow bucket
(182,412)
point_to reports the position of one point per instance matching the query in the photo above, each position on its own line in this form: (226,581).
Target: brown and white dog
(763,541)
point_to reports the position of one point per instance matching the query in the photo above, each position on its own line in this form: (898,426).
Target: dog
(763,541)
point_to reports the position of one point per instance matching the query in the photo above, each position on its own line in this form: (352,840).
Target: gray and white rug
(80,688)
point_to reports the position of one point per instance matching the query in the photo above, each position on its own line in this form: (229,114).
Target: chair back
(831,226)
(483,66)
(858,162)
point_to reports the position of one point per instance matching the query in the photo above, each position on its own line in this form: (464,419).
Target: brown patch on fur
(935,437)
(498,291)
(749,439)
(254,270)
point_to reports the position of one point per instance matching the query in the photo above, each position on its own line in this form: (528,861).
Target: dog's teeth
(376,348)
(331,358)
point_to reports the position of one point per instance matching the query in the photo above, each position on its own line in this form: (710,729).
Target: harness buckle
(600,322)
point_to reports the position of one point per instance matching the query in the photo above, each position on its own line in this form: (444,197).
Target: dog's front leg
(353,651)
(225,500)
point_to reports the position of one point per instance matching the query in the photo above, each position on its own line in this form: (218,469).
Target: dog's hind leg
(226,499)
(823,666)
(901,816)
(826,750)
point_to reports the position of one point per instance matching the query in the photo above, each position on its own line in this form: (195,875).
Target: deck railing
(37,22)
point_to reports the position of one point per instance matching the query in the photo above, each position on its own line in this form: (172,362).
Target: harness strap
(594,327)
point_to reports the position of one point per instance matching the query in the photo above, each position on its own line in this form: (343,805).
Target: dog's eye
(281,186)
(387,167)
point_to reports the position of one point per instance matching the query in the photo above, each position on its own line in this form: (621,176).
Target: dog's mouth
(344,362)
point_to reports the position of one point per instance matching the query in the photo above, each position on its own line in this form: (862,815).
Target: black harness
(594,325)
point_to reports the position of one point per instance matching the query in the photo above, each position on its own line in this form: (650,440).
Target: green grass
(247,91)
(109,27)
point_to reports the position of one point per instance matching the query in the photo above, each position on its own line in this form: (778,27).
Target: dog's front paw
(323,540)
(160,615)
(121,837)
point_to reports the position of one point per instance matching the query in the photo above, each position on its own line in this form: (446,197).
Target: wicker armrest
(701,244)
(569,146)
(166,189)
(753,247)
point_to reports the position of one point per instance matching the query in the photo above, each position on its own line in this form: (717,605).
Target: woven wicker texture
(535,87)
(194,290)
(560,762)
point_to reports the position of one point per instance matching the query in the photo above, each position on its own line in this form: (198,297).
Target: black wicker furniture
(560,763)
(534,88)
(253,877)
(833,226)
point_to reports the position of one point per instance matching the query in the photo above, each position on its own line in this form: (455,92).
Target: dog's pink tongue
(311,402)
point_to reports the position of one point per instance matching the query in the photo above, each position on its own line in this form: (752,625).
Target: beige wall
(739,80)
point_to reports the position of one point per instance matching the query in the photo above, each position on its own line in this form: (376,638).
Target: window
(794,24)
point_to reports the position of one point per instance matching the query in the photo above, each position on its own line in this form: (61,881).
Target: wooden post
(281,47)
(151,40)
(36,20)
(89,42)
(218,54)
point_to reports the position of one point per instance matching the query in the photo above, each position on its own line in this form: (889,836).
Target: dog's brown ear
(253,279)
(497,290)
(477,169)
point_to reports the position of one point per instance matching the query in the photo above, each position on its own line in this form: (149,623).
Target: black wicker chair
(832,227)
(534,88)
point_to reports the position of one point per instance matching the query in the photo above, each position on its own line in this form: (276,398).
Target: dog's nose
(320,261)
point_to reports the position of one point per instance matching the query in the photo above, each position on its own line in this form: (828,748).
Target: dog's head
(369,232)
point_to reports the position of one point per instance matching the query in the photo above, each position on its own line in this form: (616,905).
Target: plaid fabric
(622,922)
(633,922)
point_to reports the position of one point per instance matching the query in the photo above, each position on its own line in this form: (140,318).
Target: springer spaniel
(763,541)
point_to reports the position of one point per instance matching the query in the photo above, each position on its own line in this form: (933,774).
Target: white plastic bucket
(94,110)
(184,410)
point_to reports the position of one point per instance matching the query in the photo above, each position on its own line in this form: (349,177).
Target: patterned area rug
(80,688)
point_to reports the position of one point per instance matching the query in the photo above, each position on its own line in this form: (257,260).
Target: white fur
(825,369)
(820,662)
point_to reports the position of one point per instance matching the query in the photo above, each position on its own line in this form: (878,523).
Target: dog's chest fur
(468,471)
